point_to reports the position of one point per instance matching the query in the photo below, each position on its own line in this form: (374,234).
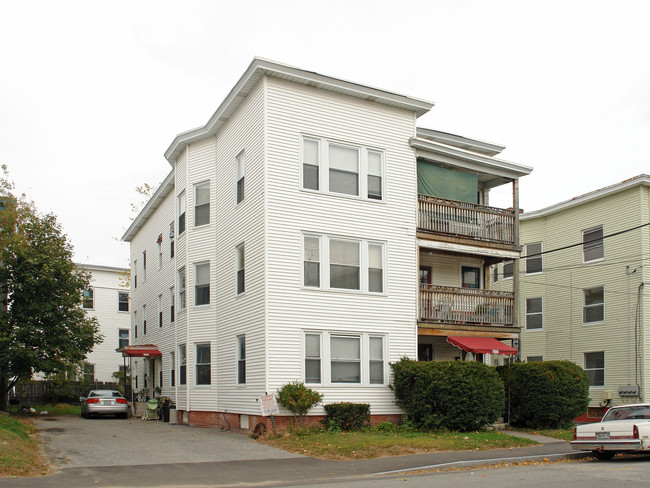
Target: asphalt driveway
(76,442)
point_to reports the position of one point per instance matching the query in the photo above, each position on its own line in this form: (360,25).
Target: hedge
(453,395)
(347,416)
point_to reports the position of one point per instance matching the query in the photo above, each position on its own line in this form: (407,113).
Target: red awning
(140,351)
(482,345)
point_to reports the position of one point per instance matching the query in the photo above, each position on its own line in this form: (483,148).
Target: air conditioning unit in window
(628,391)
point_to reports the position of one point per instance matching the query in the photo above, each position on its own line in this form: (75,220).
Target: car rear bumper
(632,445)
(118,409)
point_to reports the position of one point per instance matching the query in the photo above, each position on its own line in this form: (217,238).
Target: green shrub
(347,416)
(451,395)
(546,394)
(297,398)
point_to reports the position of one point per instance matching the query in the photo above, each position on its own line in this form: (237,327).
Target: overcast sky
(92,93)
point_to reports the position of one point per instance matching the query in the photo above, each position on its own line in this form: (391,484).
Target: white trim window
(123,339)
(595,368)
(201,203)
(594,305)
(534,258)
(375,268)
(135,324)
(160,259)
(172,311)
(311,261)
(172,369)
(144,320)
(342,169)
(203,366)
(182,364)
(181,288)
(202,283)
(241,269)
(534,319)
(144,266)
(241,172)
(182,202)
(345,263)
(332,358)
(160,311)
(592,244)
(241,360)
(135,273)
(88,299)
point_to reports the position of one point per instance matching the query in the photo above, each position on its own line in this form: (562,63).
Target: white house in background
(310,231)
(108,301)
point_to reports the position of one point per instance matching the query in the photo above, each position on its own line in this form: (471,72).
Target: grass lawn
(20,454)
(562,434)
(372,444)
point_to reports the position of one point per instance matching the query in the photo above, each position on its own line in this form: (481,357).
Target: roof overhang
(139,351)
(262,67)
(474,145)
(482,345)
(154,202)
(465,249)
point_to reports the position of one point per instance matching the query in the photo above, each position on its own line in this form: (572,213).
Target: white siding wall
(294,111)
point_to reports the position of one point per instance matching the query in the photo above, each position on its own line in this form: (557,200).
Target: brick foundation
(232,421)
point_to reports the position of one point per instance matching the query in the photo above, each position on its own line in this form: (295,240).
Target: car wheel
(604,455)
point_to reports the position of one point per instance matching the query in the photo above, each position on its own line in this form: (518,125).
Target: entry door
(471,277)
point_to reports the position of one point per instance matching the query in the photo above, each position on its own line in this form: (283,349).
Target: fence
(42,392)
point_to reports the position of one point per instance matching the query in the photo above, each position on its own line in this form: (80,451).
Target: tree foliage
(297,398)
(42,325)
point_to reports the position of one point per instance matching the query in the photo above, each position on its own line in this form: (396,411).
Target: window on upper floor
(122,301)
(202,283)
(144,266)
(160,311)
(159,244)
(375,268)
(534,313)
(144,320)
(135,273)
(135,324)
(345,264)
(241,270)
(594,305)
(181,288)
(88,299)
(172,315)
(202,203)
(203,365)
(171,240)
(182,363)
(534,258)
(123,338)
(508,269)
(241,169)
(595,367)
(311,258)
(592,244)
(182,202)
(343,169)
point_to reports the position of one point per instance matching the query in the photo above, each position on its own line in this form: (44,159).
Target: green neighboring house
(584,297)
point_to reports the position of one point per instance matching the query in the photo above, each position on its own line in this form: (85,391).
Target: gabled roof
(154,202)
(262,67)
(641,179)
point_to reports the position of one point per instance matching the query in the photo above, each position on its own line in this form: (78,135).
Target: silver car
(104,402)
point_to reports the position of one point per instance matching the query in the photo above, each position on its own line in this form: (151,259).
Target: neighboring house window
(88,299)
(595,368)
(182,200)
(375,180)
(312,358)
(181,288)
(135,273)
(159,242)
(144,266)
(508,269)
(160,311)
(123,338)
(135,324)
(344,264)
(311,257)
(310,166)
(592,244)
(202,284)
(144,320)
(172,369)
(172,315)
(182,363)
(241,359)
(534,258)
(122,302)
(88,372)
(171,240)
(495,273)
(375,268)
(240,176)
(343,169)
(241,278)
(202,204)
(203,372)
(534,313)
(594,305)
(534,359)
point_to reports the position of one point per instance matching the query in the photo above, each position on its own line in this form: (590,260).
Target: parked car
(104,402)
(624,429)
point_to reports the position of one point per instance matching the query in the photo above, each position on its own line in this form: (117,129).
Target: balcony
(466,220)
(466,306)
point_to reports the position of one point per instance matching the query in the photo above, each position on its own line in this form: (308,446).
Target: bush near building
(347,416)
(547,394)
(451,395)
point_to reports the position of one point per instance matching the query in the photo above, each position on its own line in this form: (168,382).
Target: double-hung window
(171,240)
(135,324)
(160,311)
(534,258)
(172,312)
(375,170)
(534,313)
(123,338)
(312,358)
(592,244)
(595,368)
(144,266)
(241,170)
(375,268)
(144,320)
(241,359)
(344,264)
(376,360)
(594,305)
(310,166)
(172,369)
(135,273)
(202,204)
(241,276)
(311,259)
(203,369)
(181,288)
(182,202)
(345,354)
(182,364)
(343,169)
(202,284)
(159,242)
(508,269)
(88,301)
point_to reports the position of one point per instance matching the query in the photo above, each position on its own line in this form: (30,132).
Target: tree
(43,327)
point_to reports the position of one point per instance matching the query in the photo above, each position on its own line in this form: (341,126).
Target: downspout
(515,264)
(187,287)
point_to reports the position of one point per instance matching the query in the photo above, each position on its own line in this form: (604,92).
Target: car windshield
(628,413)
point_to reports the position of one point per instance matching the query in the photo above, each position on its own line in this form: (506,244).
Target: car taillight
(635,432)
(92,400)
(121,400)
(575,433)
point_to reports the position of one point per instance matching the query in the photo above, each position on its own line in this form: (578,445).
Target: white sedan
(623,429)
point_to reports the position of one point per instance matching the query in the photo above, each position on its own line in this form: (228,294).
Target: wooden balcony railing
(466,219)
(465,305)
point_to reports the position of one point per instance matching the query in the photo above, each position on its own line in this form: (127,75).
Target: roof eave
(154,202)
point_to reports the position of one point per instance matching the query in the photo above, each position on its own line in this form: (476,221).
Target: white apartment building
(108,301)
(310,231)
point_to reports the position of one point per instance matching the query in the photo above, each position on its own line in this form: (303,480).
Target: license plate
(602,436)
(105,402)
